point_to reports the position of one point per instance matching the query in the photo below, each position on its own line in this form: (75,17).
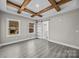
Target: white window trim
(7,26)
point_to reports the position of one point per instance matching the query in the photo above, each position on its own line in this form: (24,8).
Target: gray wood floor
(38,48)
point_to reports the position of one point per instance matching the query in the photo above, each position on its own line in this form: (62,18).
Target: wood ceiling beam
(31,12)
(63,2)
(25,3)
(54,5)
(13,4)
(50,7)
(25,9)
(42,11)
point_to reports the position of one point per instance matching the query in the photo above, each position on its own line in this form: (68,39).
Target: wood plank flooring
(38,48)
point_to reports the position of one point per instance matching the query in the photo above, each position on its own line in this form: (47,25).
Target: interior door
(45,30)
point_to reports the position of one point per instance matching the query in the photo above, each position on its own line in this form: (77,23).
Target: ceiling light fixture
(37,5)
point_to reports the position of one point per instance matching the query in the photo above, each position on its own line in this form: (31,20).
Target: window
(31,27)
(13,28)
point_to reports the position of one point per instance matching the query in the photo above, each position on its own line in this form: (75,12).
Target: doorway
(43,30)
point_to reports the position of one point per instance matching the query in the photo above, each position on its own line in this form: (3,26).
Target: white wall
(64,29)
(3,5)
(0,29)
(24,28)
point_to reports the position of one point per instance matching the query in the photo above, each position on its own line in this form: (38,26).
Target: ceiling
(38,5)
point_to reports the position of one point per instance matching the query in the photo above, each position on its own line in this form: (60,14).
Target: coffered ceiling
(39,9)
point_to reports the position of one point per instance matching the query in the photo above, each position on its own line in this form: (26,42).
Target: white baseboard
(13,42)
(61,43)
(72,46)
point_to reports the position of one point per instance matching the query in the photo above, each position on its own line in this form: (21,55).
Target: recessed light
(37,5)
(77,31)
